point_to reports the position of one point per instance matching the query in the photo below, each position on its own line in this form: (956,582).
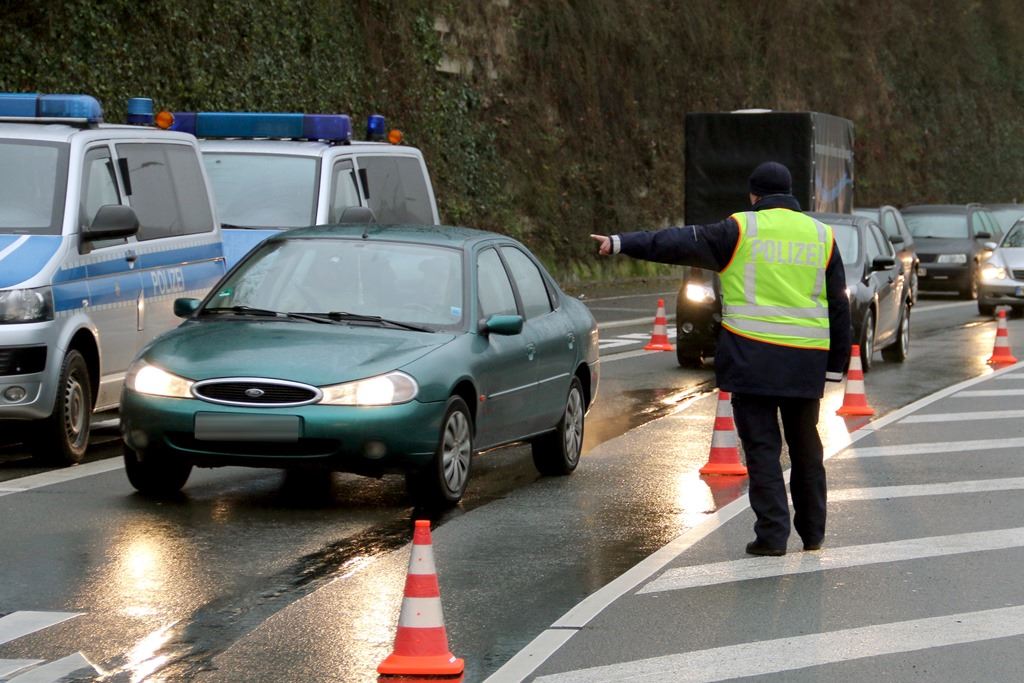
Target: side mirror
(991,246)
(502,324)
(982,235)
(183,308)
(882,263)
(897,239)
(112,221)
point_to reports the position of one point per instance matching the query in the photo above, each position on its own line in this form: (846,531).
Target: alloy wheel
(573,432)
(456,450)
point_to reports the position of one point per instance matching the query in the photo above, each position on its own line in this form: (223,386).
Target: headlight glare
(382,390)
(699,293)
(952,258)
(149,379)
(991,272)
(26,305)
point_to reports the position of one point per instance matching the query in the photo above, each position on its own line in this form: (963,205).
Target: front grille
(273,393)
(1017,274)
(22,360)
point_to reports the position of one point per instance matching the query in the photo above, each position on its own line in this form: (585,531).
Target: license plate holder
(1019,292)
(232,427)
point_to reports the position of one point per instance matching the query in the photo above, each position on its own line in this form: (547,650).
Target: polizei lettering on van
(790,253)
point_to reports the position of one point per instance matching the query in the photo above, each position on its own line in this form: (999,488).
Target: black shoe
(812,546)
(756,548)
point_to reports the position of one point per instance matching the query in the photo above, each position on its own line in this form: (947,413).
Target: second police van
(274,171)
(101,228)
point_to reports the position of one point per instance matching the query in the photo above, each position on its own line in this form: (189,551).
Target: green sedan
(366,349)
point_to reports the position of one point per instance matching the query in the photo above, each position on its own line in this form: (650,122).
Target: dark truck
(722,149)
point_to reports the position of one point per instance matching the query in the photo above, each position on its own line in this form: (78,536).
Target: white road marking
(912,490)
(1011,376)
(629,323)
(918,310)
(964,417)
(18,624)
(9,667)
(989,392)
(629,296)
(59,476)
(747,569)
(55,670)
(788,654)
(923,448)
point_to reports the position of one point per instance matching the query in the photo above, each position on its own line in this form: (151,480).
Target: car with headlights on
(368,349)
(1002,275)
(950,245)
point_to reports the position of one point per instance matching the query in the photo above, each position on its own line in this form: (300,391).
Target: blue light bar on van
(376,128)
(35,106)
(209,124)
(140,111)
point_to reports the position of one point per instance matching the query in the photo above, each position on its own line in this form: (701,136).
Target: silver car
(1002,275)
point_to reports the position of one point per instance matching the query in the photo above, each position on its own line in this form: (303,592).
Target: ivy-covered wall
(552,119)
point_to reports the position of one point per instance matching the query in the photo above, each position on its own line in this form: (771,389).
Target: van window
(167,190)
(343,190)
(33,182)
(530,282)
(264,190)
(99,188)
(396,189)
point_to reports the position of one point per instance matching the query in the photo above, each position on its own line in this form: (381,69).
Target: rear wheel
(155,476)
(444,480)
(63,437)
(867,341)
(898,351)
(558,452)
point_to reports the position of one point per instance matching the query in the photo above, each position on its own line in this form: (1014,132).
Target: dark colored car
(895,228)
(950,245)
(880,300)
(366,349)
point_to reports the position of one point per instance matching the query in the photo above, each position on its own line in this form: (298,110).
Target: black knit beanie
(771,177)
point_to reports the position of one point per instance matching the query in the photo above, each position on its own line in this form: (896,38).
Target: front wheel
(898,352)
(155,477)
(558,452)
(986,309)
(444,480)
(63,437)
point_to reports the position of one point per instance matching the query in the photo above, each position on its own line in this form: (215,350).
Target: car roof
(62,132)
(440,235)
(939,208)
(840,218)
(299,147)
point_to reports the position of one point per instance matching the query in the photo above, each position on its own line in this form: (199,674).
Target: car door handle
(572,339)
(130,256)
(531,349)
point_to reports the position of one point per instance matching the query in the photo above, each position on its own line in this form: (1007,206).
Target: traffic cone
(725,453)
(1001,354)
(855,402)
(421,644)
(659,338)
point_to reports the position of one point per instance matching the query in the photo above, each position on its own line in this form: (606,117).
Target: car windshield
(1007,216)
(848,241)
(264,190)
(942,225)
(409,283)
(1015,238)
(33,176)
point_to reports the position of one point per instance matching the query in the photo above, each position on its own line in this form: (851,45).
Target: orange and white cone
(855,402)
(1001,354)
(725,452)
(421,644)
(659,337)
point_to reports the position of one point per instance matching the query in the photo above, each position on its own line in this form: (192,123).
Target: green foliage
(568,117)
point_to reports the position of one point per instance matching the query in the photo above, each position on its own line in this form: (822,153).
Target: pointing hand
(605,248)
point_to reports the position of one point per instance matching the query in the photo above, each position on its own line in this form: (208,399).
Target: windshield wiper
(342,316)
(244,310)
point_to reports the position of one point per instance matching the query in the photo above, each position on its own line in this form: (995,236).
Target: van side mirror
(112,221)
(183,308)
(502,324)
(882,263)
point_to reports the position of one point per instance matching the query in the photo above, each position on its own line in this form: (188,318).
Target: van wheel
(558,452)
(898,351)
(155,477)
(63,438)
(443,481)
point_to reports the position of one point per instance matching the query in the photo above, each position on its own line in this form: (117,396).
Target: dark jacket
(746,366)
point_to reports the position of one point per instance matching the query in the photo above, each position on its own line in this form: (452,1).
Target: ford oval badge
(254,392)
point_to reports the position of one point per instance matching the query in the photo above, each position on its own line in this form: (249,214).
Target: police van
(274,171)
(101,228)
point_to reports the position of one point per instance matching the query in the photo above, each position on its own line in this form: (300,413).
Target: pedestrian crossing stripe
(630,339)
(19,624)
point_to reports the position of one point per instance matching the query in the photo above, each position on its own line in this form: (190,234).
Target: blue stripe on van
(158,259)
(26,260)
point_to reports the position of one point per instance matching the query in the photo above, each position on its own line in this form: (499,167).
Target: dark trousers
(757,423)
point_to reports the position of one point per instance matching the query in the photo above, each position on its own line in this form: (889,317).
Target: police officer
(785,331)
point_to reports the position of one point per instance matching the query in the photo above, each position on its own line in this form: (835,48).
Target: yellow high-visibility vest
(773,288)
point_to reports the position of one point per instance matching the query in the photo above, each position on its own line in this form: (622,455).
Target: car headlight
(26,305)
(952,258)
(382,390)
(149,379)
(991,272)
(699,293)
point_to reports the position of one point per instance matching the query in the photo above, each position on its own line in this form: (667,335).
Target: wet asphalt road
(252,575)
